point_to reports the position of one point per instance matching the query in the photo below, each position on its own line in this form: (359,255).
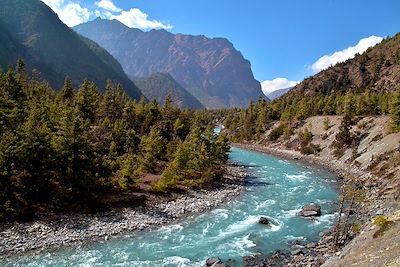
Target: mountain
(377,69)
(212,70)
(278,93)
(32,31)
(159,85)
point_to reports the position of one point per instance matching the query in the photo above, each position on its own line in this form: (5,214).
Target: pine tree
(67,92)
(114,101)
(88,100)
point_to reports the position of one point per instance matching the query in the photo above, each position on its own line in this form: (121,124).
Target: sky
(285,40)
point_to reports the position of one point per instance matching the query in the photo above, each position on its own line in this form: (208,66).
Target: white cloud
(340,56)
(270,86)
(135,18)
(71,13)
(108,5)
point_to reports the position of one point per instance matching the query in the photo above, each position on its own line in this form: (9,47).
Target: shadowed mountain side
(32,31)
(212,70)
(158,86)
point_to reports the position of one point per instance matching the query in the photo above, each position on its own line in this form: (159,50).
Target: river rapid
(276,188)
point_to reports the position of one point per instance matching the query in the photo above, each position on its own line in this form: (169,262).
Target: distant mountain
(159,85)
(32,31)
(278,93)
(377,69)
(212,70)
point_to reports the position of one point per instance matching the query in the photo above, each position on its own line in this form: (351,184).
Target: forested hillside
(377,69)
(30,30)
(367,85)
(65,150)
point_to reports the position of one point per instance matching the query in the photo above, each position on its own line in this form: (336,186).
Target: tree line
(64,149)
(251,122)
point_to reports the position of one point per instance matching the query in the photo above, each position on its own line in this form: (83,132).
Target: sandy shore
(76,229)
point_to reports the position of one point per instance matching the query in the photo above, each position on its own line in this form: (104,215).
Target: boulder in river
(311,210)
(264,220)
(212,261)
(216,262)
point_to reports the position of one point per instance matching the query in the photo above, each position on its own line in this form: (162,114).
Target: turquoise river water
(276,189)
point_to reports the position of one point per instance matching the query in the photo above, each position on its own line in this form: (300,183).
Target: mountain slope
(378,69)
(32,31)
(212,70)
(159,85)
(278,93)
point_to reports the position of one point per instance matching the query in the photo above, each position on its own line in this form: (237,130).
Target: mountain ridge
(376,69)
(212,70)
(30,30)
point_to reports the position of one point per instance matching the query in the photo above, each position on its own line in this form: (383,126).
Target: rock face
(159,85)
(212,70)
(264,220)
(311,210)
(30,30)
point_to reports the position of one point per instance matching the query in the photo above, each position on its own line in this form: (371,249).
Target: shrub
(277,132)
(305,136)
(327,124)
(356,228)
(383,223)
(316,147)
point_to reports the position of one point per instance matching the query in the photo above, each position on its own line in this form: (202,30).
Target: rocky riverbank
(57,231)
(324,251)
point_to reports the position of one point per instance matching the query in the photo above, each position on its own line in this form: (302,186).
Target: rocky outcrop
(212,70)
(311,210)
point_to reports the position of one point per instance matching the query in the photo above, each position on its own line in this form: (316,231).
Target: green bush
(277,132)
(383,223)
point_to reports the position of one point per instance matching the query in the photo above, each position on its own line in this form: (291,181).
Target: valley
(222,134)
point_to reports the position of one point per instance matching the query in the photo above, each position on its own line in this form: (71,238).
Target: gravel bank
(76,229)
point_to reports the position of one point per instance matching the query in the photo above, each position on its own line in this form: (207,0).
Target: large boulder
(212,261)
(311,210)
(264,220)
(216,262)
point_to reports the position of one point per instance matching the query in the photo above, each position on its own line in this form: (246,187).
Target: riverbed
(276,188)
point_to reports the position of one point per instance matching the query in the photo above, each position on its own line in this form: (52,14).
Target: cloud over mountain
(326,61)
(73,12)
(270,86)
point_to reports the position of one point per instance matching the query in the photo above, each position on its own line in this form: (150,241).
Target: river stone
(297,252)
(311,210)
(212,261)
(264,220)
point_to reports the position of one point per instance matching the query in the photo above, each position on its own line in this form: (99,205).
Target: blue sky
(280,38)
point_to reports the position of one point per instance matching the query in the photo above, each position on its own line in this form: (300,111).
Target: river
(276,189)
